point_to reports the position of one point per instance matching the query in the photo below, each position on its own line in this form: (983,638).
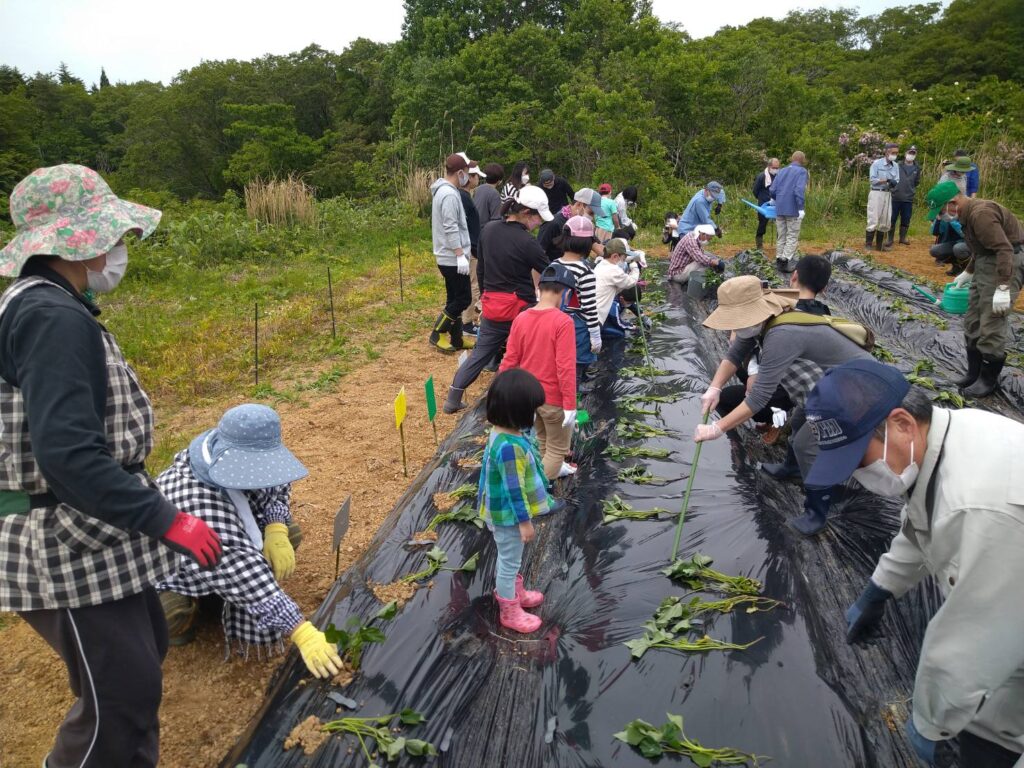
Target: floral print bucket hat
(69,211)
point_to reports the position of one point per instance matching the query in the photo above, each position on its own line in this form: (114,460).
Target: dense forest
(597,90)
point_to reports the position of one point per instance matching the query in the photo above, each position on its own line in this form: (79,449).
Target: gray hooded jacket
(448,223)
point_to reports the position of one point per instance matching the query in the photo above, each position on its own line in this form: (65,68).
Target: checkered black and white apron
(56,556)
(257,612)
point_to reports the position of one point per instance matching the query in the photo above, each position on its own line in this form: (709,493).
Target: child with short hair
(543,342)
(513,490)
(810,278)
(615,273)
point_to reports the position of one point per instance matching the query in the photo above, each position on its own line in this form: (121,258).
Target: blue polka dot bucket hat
(245,452)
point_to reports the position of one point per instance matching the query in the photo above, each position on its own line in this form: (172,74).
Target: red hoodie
(543,342)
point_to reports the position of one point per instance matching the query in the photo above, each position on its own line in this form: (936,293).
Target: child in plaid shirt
(513,490)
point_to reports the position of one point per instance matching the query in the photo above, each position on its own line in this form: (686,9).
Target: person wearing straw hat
(791,354)
(995,272)
(84,531)
(962,524)
(237,478)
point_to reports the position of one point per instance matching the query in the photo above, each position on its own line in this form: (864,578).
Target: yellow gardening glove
(320,656)
(278,550)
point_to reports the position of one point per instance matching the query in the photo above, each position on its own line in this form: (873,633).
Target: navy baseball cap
(844,410)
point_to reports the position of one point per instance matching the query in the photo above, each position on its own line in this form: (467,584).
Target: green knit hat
(938,196)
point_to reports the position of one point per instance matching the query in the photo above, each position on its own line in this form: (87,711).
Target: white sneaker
(566,470)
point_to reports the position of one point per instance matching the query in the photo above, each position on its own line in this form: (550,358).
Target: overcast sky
(139,40)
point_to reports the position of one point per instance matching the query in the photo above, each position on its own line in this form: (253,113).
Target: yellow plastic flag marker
(400,410)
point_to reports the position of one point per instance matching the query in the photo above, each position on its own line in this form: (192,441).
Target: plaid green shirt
(512,484)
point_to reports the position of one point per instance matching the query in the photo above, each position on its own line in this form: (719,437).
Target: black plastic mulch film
(800,695)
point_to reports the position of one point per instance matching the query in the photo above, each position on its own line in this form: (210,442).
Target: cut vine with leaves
(695,573)
(352,640)
(389,744)
(436,559)
(638,474)
(635,430)
(652,742)
(620,452)
(616,509)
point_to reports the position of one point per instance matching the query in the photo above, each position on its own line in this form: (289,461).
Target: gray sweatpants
(114,654)
(489,341)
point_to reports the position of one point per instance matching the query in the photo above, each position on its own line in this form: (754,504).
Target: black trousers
(902,210)
(762,226)
(458,292)
(733,395)
(976,752)
(114,654)
(490,339)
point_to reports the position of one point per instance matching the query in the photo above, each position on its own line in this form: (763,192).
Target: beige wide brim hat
(743,303)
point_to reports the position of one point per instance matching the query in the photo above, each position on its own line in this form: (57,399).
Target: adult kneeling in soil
(792,354)
(689,255)
(510,263)
(995,238)
(81,523)
(543,342)
(513,491)
(452,246)
(237,478)
(963,524)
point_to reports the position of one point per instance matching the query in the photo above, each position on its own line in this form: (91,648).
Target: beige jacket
(971,671)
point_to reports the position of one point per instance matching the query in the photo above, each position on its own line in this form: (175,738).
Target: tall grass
(414,189)
(281,202)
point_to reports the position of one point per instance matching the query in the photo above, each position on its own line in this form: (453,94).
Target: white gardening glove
(709,400)
(778,417)
(753,368)
(1001,300)
(800,215)
(643,258)
(462,264)
(705,432)
(570,418)
(964,278)
(595,342)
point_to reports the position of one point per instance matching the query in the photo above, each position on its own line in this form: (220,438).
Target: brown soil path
(348,441)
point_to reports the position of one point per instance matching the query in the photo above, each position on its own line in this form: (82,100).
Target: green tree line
(599,91)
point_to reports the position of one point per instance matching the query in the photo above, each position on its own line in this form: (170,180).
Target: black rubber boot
(785,265)
(758,242)
(458,340)
(903,236)
(888,240)
(880,244)
(973,368)
(442,325)
(988,378)
(453,403)
(787,470)
(815,517)
(869,239)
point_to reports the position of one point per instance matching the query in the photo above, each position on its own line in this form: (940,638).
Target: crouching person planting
(236,477)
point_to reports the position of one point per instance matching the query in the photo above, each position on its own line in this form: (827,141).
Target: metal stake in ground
(686,498)
(256,339)
(401,279)
(330,295)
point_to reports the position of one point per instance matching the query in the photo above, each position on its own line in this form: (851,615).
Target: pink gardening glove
(707,432)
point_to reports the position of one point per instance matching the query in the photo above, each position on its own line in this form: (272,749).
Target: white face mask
(748,333)
(526,178)
(892,158)
(879,478)
(910,159)
(107,280)
(463,178)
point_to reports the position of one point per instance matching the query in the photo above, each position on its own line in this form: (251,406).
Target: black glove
(718,209)
(719,266)
(718,231)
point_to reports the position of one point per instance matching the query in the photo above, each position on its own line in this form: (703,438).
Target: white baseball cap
(536,198)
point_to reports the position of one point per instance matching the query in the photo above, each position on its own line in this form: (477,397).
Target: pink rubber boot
(528,598)
(512,616)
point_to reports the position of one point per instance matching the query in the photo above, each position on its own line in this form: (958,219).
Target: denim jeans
(510,558)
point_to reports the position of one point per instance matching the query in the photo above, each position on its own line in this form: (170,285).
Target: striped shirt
(584,303)
(512,485)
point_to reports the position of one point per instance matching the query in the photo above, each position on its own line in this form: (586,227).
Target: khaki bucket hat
(69,211)
(743,303)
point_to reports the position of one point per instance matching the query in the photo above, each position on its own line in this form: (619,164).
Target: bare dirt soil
(348,440)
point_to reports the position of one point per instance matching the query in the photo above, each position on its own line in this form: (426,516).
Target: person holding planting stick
(963,524)
(237,478)
(795,347)
(84,531)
